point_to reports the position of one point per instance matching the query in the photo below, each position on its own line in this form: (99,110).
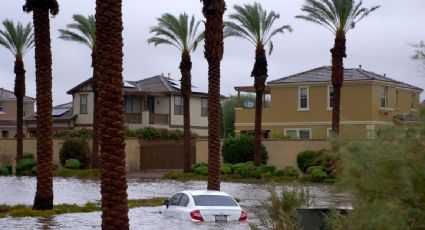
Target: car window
(184,200)
(214,200)
(174,201)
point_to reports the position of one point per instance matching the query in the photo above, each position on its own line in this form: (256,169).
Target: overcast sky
(380,43)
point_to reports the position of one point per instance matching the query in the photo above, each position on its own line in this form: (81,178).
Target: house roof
(59,112)
(77,87)
(10,95)
(155,84)
(323,74)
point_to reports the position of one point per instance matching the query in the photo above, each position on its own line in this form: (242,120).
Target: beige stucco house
(301,105)
(8,112)
(154,101)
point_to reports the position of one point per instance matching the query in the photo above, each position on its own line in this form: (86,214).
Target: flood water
(21,190)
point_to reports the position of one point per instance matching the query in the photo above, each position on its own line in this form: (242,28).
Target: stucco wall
(195,114)
(84,119)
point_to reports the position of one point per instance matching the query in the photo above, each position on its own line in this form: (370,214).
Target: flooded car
(203,206)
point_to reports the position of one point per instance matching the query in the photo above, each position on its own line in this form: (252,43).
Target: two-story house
(154,101)
(301,105)
(8,112)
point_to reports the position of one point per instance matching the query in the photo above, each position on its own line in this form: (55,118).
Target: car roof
(205,192)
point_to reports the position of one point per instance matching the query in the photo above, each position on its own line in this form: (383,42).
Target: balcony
(142,118)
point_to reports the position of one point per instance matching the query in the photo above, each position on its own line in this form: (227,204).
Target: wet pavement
(21,190)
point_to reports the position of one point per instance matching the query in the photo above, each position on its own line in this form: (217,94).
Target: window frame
(330,107)
(204,110)
(371,132)
(298,132)
(413,105)
(178,196)
(128,108)
(307,108)
(86,96)
(2,107)
(383,95)
(178,111)
(329,132)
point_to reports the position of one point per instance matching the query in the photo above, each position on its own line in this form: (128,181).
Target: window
(384,96)
(413,101)
(184,200)
(4,134)
(370,129)
(303,98)
(128,104)
(178,105)
(83,104)
(33,134)
(330,96)
(329,132)
(214,200)
(298,133)
(204,107)
(1,106)
(174,201)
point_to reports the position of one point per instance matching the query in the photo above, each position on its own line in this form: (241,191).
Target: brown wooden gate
(163,154)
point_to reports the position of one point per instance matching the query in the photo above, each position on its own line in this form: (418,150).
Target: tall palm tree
(338,16)
(83,31)
(43,76)
(183,34)
(108,64)
(253,23)
(18,40)
(213,11)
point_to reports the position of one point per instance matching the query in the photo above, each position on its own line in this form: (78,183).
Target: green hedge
(241,149)
(75,148)
(26,167)
(72,164)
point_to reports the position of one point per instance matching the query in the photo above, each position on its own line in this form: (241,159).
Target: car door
(172,206)
(181,210)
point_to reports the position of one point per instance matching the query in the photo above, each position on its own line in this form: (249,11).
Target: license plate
(221,218)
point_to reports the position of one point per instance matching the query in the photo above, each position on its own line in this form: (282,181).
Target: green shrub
(226,168)
(194,166)
(267,169)
(316,174)
(148,133)
(280,173)
(28,155)
(203,170)
(72,164)
(292,172)
(309,158)
(25,166)
(247,170)
(4,171)
(75,148)
(175,134)
(130,132)
(241,149)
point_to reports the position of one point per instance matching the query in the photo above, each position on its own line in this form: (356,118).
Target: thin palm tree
(83,31)
(108,64)
(338,16)
(213,11)
(253,23)
(18,40)
(43,76)
(183,34)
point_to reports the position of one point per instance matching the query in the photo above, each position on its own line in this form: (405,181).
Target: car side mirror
(166,203)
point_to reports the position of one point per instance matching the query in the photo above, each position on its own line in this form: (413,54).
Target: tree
(338,16)
(183,34)
(43,76)
(18,40)
(213,11)
(83,31)
(108,63)
(253,23)
(228,113)
(419,53)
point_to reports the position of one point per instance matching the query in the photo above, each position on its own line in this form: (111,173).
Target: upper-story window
(204,107)
(178,105)
(413,101)
(330,96)
(303,103)
(83,103)
(1,106)
(128,104)
(384,96)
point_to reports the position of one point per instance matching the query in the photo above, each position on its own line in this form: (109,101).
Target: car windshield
(214,200)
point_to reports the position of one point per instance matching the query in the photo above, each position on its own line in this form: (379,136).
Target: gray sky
(380,43)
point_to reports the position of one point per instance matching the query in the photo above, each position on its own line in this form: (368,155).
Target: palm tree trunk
(338,53)
(43,64)
(109,58)
(186,90)
(94,158)
(260,74)
(213,11)
(20,94)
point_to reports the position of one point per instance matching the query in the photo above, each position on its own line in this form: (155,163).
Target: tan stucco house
(154,101)
(301,105)
(8,112)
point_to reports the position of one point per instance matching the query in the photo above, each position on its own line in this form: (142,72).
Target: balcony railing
(137,118)
(133,118)
(158,118)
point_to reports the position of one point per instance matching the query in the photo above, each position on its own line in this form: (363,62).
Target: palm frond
(83,30)
(18,39)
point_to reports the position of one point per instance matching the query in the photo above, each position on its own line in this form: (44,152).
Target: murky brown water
(14,190)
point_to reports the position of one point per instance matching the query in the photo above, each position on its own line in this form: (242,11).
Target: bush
(309,158)
(148,133)
(25,166)
(292,172)
(241,149)
(72,164)
(194,166)
(4,171)
(267,169)
(226,168)
(175,134)
(316,174)
(28,155)
(203,170)
(75,148)
(280,173)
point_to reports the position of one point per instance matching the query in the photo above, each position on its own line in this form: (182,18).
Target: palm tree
(419,52)
(338,16)
(83,31)
(43,76)
(108,65)
(213,11)
(18,40)
(183,34)
(253,23)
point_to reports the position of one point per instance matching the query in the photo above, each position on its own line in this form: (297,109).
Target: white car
(202,205)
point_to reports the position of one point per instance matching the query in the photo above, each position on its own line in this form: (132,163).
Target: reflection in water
(21,190)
